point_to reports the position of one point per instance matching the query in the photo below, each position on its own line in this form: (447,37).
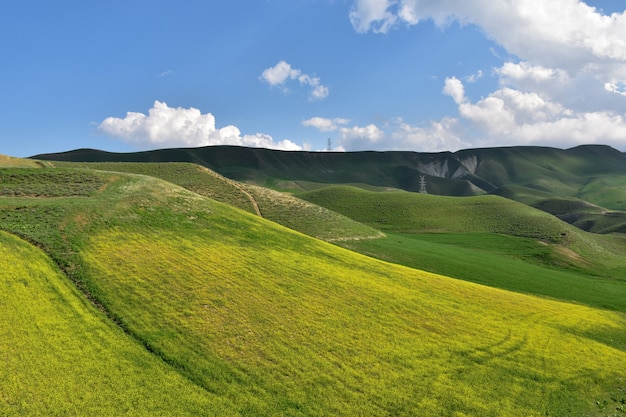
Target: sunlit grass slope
(488,240)
(193,177)
(309,218)
(282,324)
(276,323)
(61,357)
(517,264)
(412,212)
(11,162)
(278,207)
(417,213)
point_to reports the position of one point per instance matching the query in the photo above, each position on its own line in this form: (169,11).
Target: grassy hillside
(275,323)
(281,208)
(593,174)
(11,162)
(190,176)
(60,356)
(557,171)
(488,240)
(606,191)
(517,264)
(411,212)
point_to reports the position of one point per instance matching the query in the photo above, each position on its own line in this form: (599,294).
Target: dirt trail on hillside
(235,184)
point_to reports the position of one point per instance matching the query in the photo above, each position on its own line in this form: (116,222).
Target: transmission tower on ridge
(423,184)
(329,148)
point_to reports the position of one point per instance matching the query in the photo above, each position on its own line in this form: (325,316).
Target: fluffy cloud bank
(395,135)
(166,126)
(281,73)
(567,86)
(528,118)
(549,32)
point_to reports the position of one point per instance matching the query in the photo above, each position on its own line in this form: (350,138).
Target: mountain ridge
(482,167)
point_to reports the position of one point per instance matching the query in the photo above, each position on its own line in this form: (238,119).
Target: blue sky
(421,75)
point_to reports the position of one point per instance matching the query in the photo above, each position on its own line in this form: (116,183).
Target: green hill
(11,162)
(489,240)
(594,174)
(281,208)
(267,321)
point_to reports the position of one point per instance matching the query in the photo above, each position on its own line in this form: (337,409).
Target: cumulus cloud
(567,85)
(280,74)
(166,126)
(526,118)
(395,135)
(439,136)
(325,125)
(564,34)
(526,27)
(375,15)
(618,88)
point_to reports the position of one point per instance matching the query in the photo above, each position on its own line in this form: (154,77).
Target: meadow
(488,240)
(282,208)
(61,356)
(251,318)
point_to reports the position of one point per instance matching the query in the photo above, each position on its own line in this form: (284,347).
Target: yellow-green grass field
(282,324)
(11,162)
(265,321)
(59,356)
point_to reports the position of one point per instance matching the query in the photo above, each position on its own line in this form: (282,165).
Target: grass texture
(278,207)
(286,325)
(60,356)
(265,321)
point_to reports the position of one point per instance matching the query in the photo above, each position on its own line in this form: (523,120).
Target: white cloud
(526,28)
(618,88)
(515,72)
(395,135)
(372,15)
(568,86)
(281,73)
(474,77)
(166,126)
(527,119)
(454,88)
(439,136)
(325,125)
(370,133)
(565,34)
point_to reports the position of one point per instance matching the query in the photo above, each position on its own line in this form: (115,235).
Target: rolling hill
(234,314)
(489,240)
(562,182)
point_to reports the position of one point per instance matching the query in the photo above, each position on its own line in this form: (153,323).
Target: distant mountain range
(466,172)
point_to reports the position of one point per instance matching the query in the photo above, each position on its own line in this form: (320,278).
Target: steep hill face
(447,175)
